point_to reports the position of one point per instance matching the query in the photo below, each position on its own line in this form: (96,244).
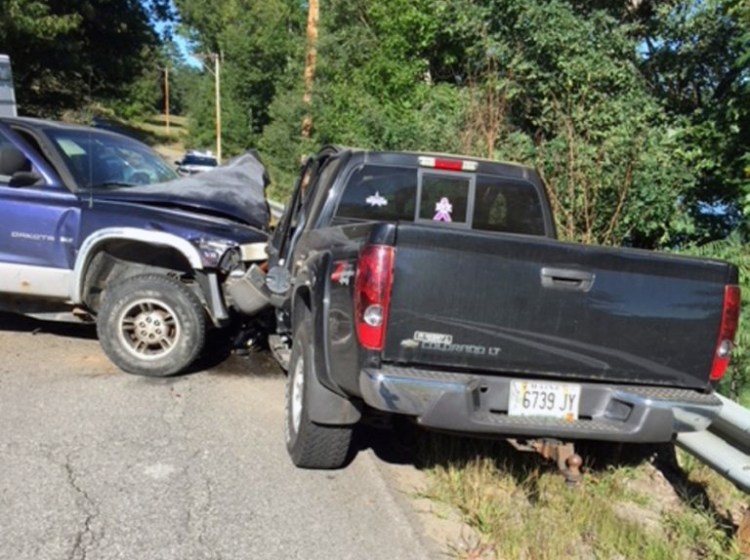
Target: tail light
(372,294)
(730,317)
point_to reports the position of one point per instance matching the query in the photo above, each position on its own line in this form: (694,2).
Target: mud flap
(330,408)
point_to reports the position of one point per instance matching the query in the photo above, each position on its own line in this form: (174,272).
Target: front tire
(151,325)
(310,445)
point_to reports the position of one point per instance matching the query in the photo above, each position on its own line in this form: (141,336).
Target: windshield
(100,160)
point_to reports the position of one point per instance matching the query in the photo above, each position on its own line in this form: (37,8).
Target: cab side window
(12,160)
(508,206)
(379,193)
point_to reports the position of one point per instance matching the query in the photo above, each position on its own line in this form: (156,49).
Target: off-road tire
(151,325)
(310,445)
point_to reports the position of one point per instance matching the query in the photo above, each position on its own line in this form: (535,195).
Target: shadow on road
(239,350)
(19,323)
(220,354)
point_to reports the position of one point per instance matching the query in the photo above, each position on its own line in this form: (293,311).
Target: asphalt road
(98,464)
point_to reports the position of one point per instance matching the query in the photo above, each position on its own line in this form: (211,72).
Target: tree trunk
(310,61)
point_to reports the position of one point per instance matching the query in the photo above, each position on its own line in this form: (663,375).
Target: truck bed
(534,307)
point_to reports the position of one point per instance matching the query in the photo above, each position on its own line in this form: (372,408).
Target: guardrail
(277,208)
(725,446)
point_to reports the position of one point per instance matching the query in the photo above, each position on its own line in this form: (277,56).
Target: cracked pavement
(98,464)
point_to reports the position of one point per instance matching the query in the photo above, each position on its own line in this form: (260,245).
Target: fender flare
(93,241)
(332,408)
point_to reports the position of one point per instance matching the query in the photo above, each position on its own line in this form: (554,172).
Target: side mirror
(178,162)
(24,179)
(278,280)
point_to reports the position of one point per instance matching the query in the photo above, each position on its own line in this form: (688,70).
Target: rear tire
(151,325)
(310,445)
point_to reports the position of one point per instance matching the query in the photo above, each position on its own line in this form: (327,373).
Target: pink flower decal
(443,210)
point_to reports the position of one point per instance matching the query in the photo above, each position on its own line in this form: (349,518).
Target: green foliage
(67,53)
(735,249)
(141,95)
(520,508)
(561,91)
(35,20)
(636,115)
(255,41)
(373,88)
(696,60)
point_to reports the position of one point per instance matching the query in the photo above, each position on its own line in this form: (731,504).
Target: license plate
(542,398)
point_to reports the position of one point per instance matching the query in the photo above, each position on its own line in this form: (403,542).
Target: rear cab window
(453,199)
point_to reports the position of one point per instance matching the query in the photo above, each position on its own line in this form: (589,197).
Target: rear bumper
(478,404)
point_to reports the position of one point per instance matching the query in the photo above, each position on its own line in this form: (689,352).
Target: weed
(522,508)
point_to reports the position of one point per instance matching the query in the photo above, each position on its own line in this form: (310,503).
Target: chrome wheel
(149,329)
(298,383)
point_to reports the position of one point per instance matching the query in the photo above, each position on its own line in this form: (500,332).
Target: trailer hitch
(564,454)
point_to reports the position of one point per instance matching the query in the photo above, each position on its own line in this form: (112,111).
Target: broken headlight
(219,253)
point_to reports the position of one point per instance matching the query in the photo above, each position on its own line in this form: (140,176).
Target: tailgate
(535,307)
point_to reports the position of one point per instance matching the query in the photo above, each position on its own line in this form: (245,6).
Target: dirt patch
(440,523)
(651,484)
(743,534)
(170,152)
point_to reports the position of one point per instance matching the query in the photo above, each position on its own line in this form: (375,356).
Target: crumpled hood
(234,190)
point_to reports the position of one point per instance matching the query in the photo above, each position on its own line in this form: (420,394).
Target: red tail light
(729,320)
(372,294)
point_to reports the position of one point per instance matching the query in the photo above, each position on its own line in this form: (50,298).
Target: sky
(185,47)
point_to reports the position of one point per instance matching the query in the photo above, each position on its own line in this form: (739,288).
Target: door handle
(567,279)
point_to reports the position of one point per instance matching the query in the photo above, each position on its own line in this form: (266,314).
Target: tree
(256,42)
(372,88)
(696,58)
(574,104)
(67,52)
(636,113)
(311,55)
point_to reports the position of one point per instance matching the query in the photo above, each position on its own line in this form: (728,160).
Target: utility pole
(216,72)
(313,14)
(217,79)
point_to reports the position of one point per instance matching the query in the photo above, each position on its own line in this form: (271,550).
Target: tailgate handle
(567,279)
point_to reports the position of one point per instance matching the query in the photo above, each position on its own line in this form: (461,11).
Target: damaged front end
(246,289)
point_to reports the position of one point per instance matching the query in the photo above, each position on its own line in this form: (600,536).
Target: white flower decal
(376,200)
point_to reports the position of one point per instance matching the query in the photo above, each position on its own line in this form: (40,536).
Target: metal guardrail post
(725,446)
(277,208)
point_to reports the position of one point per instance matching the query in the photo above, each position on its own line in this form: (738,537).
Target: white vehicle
(196,162)
(7,92)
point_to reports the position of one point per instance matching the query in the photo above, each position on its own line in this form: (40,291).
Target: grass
(156,128)
(522,508)
(744,397)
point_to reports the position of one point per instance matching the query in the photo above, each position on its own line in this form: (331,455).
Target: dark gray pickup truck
(433,286)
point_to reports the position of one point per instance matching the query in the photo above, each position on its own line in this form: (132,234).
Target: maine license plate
(542,398)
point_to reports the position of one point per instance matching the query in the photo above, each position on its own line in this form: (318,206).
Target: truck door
(39,225)
(283,240)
